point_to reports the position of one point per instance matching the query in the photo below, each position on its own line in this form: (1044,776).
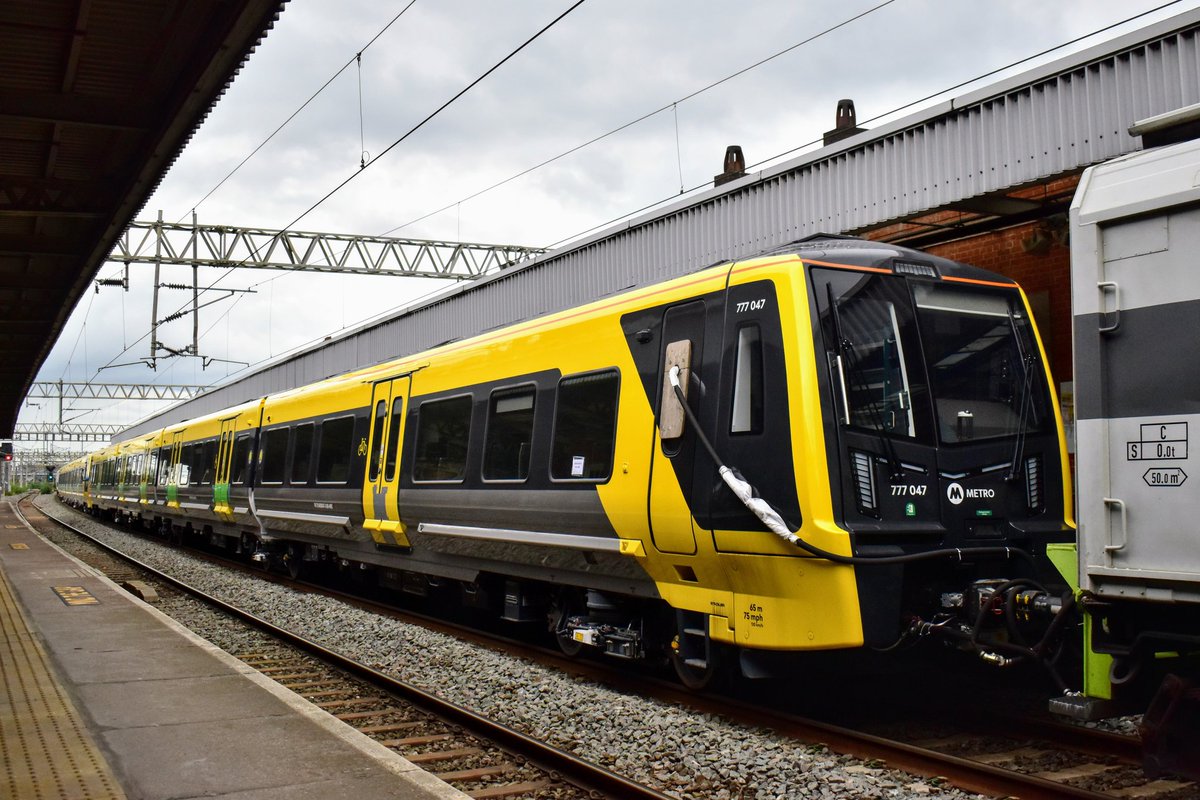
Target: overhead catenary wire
(374,161)
(699,186)
(356,58)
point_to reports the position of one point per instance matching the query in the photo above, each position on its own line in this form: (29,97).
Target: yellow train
(838,444)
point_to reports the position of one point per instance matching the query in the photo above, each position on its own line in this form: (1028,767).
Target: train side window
(302,453)
(377,444)
(205,459)
(274,455)
(393,451)
(509,435)
(747,416)
(241,458)
(336,450)
(164,466)
(585,427)
(184,475)
(443,429)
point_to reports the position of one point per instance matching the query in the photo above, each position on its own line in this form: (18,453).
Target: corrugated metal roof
(1051,121)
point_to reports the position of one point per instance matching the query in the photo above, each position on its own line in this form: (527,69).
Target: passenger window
(394,438)
(747,404)
(164,466)
(205,458)
(377,443)
(241,457)
(443,429)
(183,475)
(585,427)
(337,450)
(302,453)
(509,435)
(274,455)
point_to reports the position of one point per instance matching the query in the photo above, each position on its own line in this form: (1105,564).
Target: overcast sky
(604,65)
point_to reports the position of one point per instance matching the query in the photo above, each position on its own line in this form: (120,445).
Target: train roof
(853,251)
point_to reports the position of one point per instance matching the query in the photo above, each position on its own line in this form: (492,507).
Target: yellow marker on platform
(75,596)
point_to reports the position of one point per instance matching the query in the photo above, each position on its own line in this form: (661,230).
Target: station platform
(102,696)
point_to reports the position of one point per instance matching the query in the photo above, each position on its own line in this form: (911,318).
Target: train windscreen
(924,360)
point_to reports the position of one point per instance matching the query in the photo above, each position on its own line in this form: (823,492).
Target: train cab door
(380,510)
(674,458)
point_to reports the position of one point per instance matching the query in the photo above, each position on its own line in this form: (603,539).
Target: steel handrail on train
(575,770)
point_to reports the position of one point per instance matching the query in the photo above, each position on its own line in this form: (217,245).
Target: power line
(647,115)
(356,58)
(818,141)
(390,147)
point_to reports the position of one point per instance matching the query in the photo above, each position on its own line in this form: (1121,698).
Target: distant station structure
(985,178)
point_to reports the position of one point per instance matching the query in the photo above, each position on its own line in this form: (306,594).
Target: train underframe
(1004,621)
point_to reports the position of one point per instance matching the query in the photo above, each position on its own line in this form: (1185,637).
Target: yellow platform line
(45,751)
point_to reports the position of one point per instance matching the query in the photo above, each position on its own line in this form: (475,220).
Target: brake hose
(775,522)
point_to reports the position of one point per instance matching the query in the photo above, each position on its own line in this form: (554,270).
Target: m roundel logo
(954,493)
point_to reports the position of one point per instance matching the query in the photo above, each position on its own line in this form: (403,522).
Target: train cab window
(982,358)
(302,453)
(747,406)
(585,427)
(875,356)
(509,435)
(273,461)
(377,444)
(336,450)
(393,439)
(239,468)
(443,429)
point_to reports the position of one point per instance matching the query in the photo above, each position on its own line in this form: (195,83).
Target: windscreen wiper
(847,361)
(1026,400)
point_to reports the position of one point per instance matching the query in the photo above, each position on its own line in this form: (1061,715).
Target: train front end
(945,448)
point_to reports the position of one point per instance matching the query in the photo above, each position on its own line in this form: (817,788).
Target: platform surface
(102,696)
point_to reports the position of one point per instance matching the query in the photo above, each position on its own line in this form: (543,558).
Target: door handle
(1105,287)
(1124,513)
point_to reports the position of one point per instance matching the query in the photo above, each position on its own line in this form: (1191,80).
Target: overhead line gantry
(260,248)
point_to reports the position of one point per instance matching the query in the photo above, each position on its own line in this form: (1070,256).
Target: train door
(174,476)
(221,480)
(380,510)
(673,466)
(148,471)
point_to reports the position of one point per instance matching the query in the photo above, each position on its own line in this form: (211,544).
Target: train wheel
(293,566)
(700,674)
(557,619)
(568,646)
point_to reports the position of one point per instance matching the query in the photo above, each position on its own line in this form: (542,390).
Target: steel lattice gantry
(71,390)
(230,246)
(72,431)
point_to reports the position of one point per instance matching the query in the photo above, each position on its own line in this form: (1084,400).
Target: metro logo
(955,493)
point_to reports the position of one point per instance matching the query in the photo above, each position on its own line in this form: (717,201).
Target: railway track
(1011,758)
(476,755)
